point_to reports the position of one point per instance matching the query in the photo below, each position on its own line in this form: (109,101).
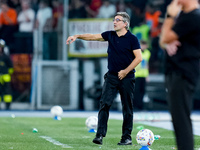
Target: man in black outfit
(124,54)
(180,37)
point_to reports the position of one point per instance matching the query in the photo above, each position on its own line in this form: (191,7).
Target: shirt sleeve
(184,26)
(105,35)
(135,43)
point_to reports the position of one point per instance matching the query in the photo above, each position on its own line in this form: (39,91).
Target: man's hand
(172,47)
(174,8)
(71,39)
(122,74)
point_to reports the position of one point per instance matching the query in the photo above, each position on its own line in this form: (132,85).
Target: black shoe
(125,142)
(98,140)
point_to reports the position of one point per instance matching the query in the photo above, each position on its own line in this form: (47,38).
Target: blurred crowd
(18,18)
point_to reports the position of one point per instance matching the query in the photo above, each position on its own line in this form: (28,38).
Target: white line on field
(55,142)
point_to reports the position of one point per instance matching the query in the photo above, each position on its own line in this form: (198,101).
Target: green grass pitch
(71,133)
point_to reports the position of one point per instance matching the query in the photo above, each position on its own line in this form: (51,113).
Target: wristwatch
(169,16)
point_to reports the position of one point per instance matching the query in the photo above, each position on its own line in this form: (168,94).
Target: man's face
(182,2)
(42,5)
(25,5)
(119,23)
(4,7)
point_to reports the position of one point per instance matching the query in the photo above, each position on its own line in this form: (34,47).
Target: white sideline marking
(55,142)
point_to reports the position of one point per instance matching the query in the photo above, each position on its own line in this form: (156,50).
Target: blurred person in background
(43,22)
(8,23)
(43,16)
(15,4)
(6,69)
(93,8)
(152,17)
(58,13)
(141,76)
(107,10)
(124,54)
(77,9)
(142,32)
(122,6)
(137,15)
(153,21)
(26,19)
(180,37)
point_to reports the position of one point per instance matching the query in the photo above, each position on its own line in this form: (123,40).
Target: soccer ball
(145,137)
(56,110)
(91,122)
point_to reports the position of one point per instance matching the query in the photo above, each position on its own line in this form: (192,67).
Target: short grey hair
(126,18)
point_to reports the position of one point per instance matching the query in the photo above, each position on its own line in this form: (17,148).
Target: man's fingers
(177,43)
(172,48)
(70,40)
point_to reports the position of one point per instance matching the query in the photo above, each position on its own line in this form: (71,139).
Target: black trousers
(180,92)
(111,86)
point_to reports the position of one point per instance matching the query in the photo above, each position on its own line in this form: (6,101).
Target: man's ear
(126,24)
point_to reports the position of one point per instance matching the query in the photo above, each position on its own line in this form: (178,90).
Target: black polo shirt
(186,60)
(120,51)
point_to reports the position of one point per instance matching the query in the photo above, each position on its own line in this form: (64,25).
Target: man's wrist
(169,16)
(164,46)
(76,36)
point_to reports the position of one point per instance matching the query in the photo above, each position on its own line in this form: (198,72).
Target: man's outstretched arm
(87,37)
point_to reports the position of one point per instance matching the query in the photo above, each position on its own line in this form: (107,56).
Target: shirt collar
(126,35)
